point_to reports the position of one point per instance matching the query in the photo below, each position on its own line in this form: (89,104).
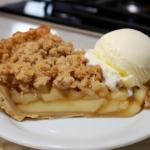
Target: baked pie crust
(42,76)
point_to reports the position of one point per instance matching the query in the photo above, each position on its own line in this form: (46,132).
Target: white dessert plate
(76,133)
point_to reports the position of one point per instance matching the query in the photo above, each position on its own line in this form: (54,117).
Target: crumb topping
(37,57)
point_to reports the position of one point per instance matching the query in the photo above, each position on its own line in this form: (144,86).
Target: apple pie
(42,76)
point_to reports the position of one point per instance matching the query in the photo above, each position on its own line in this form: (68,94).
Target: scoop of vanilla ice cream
(124,55)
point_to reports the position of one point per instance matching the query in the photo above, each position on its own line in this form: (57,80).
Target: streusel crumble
(31,59)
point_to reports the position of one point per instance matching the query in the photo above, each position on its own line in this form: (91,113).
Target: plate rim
(112,145)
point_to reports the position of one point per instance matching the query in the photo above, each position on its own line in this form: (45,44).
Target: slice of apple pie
(41,76)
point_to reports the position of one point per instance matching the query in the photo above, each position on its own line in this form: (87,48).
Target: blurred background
(93,15)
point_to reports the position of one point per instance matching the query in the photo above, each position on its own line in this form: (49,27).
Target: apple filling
(48,101)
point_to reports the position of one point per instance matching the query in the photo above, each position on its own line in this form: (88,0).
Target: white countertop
(10,24)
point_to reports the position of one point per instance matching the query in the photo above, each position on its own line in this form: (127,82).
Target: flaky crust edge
(12,113)
(8,109)
(17,115)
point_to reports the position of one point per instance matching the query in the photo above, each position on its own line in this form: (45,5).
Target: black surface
(93,15)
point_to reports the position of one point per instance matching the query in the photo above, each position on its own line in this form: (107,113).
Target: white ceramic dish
(76,133)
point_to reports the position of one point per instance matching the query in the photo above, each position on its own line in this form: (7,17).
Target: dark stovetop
(94,15)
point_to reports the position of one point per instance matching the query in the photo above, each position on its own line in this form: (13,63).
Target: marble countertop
(10,24)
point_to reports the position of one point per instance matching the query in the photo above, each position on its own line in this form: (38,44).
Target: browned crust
(10,111)
(7,105)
